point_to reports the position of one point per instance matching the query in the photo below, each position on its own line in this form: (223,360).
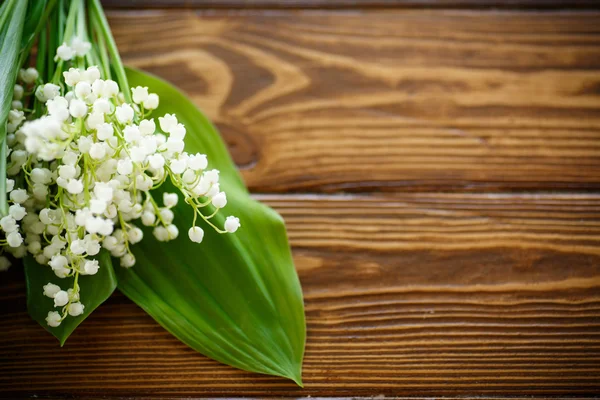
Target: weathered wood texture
(350,4)
(414,294)
(395,101)
(409,291)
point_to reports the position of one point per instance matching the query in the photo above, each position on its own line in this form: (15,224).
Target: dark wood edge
(353,4)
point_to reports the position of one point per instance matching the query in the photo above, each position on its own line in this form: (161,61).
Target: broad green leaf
(12,17)
(235,297)
(94,291)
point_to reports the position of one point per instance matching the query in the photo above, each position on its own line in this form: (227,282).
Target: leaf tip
(296,376)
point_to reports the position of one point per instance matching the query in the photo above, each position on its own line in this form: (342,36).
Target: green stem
(3,201)
(40,26)
(6,12)
(54,39)
(61,21)
(42,48)
(101,48)
(71,20)
(98,13)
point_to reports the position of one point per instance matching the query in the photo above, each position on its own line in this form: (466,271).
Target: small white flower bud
(64,52)
(82,90)
(177,132)
(74,186)
(97,151)
(139,94)
(148,218)
(232,224)
(135,235)
(102,105)
(220,200)
(212,176)
(125,205)
(61,298)
(75,309)
(28,75)
(53,319)
(197,162)
(94,120)
(14,239)
(177,166)
(17,211)
(156,161)
(166,215)
(147,127)
(128,260)
(77,247)
(61,272)
(172,231)
(72,76)
(18,92)
(91,267)
(168,122)
(67,171)
(70,158)
(125,167)
(110,88)
(161,233)
(77,108)
(10,185)
(152,102)
(175,146)
(111,211)
(213,191)
(98,206)
(196,234)
(50,91)
(58,261)
(103,191)
(124,113)
(19,196)
(8,224)
(189,176)
(50,290)
(91,74)
(170,199)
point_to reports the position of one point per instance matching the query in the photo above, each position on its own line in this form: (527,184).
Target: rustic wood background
(438,166)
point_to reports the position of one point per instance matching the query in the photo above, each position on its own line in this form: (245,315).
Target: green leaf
(94,291)
(235,297)
(12,17)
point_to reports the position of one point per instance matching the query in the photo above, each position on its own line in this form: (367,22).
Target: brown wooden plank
(408,295)
(396,101)
(350,4)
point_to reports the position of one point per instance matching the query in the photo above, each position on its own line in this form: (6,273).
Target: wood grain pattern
(349,4)
(407,295)
(392,101)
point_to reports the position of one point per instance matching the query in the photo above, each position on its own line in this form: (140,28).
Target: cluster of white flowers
(83,172)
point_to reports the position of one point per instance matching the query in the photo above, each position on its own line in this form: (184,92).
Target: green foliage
(95,290)
(234,297)
(12,19)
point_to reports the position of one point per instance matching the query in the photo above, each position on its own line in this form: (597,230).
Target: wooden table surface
(438,167)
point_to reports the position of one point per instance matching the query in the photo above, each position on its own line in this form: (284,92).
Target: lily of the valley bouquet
(111,178)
